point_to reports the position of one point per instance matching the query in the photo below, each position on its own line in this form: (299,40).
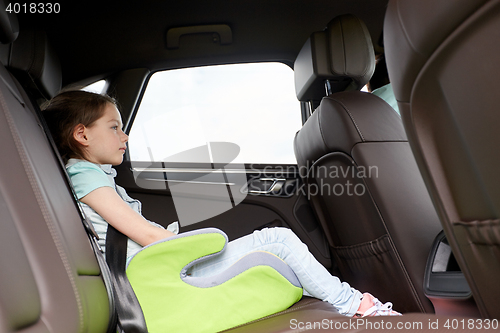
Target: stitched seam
(406,274)
(475,236)
(343,48)
(44,210)
(352,118)
(320,128)
(404,29)
(367,67)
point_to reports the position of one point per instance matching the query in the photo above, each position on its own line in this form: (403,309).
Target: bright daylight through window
(250,105)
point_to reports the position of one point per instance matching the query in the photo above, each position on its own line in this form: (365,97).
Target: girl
(87,129)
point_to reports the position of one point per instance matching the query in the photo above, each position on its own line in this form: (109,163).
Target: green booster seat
(256,286)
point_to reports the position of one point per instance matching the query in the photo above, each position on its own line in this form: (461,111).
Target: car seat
(358,170)
(442,58)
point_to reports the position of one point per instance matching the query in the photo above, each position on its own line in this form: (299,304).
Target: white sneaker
(379,309)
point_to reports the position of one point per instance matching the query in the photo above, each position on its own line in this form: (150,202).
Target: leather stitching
(352,119)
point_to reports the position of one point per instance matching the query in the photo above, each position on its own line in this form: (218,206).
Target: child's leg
(315,279)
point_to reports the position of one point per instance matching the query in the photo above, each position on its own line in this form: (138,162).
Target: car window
(96,87)
(249,106)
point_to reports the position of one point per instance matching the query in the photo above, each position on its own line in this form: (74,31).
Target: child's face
(105,138)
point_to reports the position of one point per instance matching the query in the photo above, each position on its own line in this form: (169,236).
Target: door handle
(275,187)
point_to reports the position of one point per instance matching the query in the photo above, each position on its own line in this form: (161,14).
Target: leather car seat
(50,280)
(358,170)
(442,59)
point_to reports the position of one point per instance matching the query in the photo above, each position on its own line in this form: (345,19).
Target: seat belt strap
(131,317)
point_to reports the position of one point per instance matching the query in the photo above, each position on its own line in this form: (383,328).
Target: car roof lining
(130,35)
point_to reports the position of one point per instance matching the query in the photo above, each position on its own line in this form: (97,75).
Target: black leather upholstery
(367,192)
(445,75)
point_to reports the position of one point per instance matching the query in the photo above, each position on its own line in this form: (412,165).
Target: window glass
(252,106)
(96,87)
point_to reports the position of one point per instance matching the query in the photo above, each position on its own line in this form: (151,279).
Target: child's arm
(108,204)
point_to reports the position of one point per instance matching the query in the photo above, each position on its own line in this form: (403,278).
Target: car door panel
(269,196)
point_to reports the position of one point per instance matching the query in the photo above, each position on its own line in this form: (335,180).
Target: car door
(207,149)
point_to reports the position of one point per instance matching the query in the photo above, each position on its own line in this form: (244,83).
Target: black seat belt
(131,318)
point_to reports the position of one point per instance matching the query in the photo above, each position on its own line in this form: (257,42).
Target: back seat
(50,280)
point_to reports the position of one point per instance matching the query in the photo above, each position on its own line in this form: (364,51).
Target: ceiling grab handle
(224,32)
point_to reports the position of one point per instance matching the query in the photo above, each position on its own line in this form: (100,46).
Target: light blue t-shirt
(87,177)
(387,94)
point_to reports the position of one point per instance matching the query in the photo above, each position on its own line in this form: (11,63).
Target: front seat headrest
(342,54)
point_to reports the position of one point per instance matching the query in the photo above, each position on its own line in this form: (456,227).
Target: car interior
(401,204)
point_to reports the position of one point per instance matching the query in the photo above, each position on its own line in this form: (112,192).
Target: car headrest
(409,43)
(33,58)
(9,27)
(342,54)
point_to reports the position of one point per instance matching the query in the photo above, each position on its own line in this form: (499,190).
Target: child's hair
(69,109)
